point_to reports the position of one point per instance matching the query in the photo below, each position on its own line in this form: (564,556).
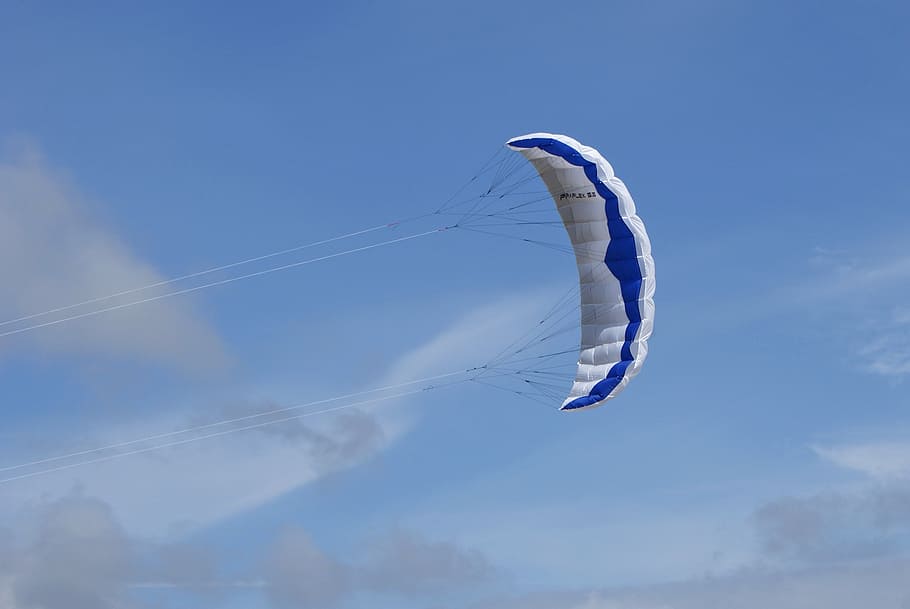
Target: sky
(760,459)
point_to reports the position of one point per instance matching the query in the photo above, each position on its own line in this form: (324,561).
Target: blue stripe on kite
(621,258)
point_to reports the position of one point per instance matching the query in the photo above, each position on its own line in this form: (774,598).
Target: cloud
(476,337)
(835,526)
(183,565)
(867,295)
(872,519)
(209,481)
(342,439)
(298,574)
(54,253)
(834,282)
(887,351)
(179,489)
(77,558)
(869,519)
(839,275)
(878,460)
(838,549)
(879,584)
(406,563)
(73,553)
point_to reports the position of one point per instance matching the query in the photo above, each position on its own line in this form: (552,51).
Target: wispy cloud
(838,274)
(887,353)
(865,294)
(878,460)
(869,295)
(199,484)
(54,253)
(212,480)
(827,284)
(477,336)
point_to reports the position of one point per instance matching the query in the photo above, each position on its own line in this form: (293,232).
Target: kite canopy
(615,267)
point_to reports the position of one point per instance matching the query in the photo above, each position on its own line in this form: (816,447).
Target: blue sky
(764,444)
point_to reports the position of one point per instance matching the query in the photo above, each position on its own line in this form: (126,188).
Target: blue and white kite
(615,267)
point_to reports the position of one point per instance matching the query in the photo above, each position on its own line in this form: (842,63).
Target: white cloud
(840,277)
(203,483)
(475,338)
(887,353)
(834,284)
(866,295)
(176,490)
(53,254)
(878,460)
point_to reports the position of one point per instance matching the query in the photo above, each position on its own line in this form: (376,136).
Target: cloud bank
(72,553)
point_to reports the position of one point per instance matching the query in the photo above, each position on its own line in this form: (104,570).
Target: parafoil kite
(613,255)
